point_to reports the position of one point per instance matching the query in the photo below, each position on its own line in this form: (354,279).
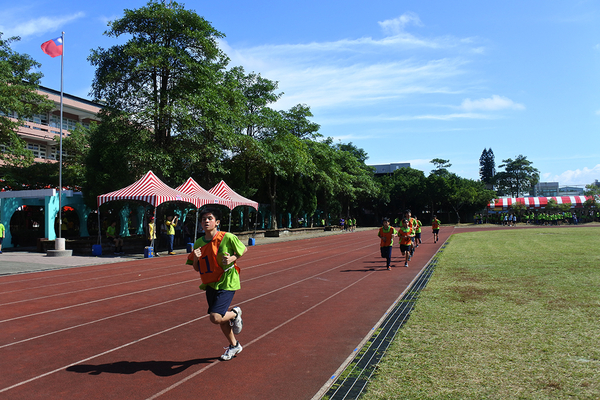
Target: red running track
(139,329)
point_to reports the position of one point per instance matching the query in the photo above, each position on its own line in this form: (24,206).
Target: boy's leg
(218,304)
(388,257)
(223,321)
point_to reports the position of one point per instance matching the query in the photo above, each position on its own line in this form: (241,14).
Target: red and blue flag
(54,47)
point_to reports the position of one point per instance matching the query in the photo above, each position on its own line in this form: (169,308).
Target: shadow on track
(158,368)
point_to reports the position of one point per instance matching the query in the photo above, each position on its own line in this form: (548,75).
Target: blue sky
(407,81)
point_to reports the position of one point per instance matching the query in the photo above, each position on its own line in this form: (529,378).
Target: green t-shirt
(111,231)
(2,230)
(231,245)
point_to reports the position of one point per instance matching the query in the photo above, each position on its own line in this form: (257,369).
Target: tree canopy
(19,100)
(518,177)
(174,106)
(487,166)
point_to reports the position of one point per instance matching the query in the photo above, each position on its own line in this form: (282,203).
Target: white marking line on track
(93,288)
(143,308)
(74,271)
(99,320)
(96,301)
(303,250)
(173,328)
(100,354)
(187,378)
(84,280)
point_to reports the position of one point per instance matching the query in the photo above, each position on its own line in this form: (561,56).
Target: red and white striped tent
(224,191)
(191,188)
(536,202)
(149,189)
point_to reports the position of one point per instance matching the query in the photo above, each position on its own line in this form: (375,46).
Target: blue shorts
(404,248)
(218,300)
(386,252)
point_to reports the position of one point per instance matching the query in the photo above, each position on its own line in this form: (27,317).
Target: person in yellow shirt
(171,223)
(152,235)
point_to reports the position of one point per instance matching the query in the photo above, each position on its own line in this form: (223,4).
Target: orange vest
(210,269)
(405,236)
(435,224)
(386,237)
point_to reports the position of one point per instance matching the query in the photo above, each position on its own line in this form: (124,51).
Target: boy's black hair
(211,210)
(384,219)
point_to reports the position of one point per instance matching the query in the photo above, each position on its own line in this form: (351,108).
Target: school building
(41,132)
(25,211)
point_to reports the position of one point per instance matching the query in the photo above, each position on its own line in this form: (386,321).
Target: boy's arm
(228,259)
(236,247)
(197,253)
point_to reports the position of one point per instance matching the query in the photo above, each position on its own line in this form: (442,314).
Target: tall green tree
(357,179)
(18,100)
(518,177)
(440,166)
(282,156)
(593,189)
(487,166)
(168,79)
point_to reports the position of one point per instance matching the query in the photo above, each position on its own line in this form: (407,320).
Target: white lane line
(181,325)
(98,320)
(189,377)
(92,288)
(83,280)
(140,309)
(96,301)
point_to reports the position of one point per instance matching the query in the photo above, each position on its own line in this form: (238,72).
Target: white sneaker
(231,351)
(237,322)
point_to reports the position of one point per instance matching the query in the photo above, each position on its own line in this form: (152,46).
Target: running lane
(139,329)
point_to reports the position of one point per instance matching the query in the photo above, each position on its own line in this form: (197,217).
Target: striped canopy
(537,202)
(149,189)
(191,188)
(224,191)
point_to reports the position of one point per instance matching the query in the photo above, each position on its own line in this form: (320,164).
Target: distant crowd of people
(538,218)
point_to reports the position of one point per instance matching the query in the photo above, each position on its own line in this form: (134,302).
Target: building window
(53,153)
(68,124)
(39,150)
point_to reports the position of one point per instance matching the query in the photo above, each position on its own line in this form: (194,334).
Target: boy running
(387,233)
(418,225)
(214,256)
(405,240)
(411,223)
(435,226)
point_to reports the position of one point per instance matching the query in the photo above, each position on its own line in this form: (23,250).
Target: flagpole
(62,68)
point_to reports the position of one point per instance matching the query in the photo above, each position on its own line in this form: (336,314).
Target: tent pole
(196,229)
(230,220)
(255,222)
(99,228)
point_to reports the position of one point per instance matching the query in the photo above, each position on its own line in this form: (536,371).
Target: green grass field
(507,314)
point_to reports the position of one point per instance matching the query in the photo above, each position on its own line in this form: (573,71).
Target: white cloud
(358,73)
(493,103)
(583,176)
(396,26)
(38,26)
